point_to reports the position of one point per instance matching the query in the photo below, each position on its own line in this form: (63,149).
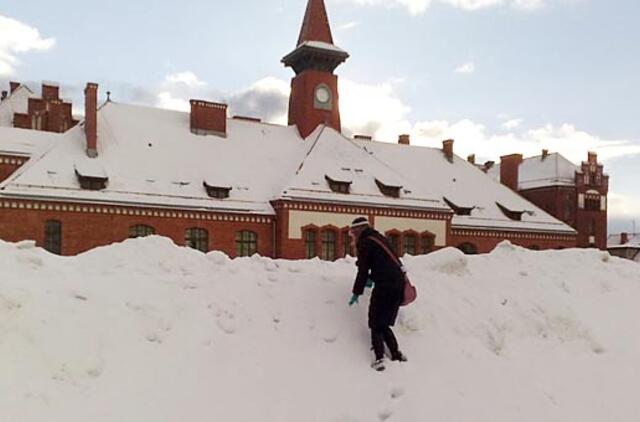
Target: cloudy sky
(499,76)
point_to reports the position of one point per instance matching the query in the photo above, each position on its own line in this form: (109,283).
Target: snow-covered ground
(145,331)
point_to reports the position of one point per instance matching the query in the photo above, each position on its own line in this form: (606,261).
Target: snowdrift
(145,331)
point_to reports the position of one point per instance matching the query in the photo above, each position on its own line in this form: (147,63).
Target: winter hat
(359,222)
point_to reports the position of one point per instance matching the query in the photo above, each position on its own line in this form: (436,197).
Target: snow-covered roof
(614,241)
(26,142)
(16,102)
(151,158)
(464,185)
(322,45)
(536,172)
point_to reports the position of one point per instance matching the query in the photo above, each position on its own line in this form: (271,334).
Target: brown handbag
(410,293)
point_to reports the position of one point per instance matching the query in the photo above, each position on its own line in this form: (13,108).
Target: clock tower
(314,89)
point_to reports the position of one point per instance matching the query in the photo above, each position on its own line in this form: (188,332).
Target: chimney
(50,91)
(362,137)
(13,86)
(472,159)
(208,118)
(447,149)
(592,157)
(509,167)
(404,140)
(545,154)
(4,95)
(624,238)
(91,118)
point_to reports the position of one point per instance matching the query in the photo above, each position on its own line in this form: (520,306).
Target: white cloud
(624,206)
(466,68)
(416,7)
(512,124)
(188,78)
(18,38)
(348,25)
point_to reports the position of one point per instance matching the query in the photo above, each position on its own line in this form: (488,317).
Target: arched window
(409,243)
(347,248)
(328,245)
(427,243)
(394,241)
(468,248)
(310,236)
(141,230)
(53,236)
(197,238)
(246,243)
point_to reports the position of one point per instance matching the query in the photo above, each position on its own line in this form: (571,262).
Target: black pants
(380,336)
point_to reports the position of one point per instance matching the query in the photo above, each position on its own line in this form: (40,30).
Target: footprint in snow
(397,392)
(272,278)
(385,414)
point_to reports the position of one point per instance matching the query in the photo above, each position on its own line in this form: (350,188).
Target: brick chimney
(208,118)
(624,238)
(545,154)
(471,158)
(447,149)
(13,86)
(592,157)
(509,167)
(50,91)
(404,139)
(91,118)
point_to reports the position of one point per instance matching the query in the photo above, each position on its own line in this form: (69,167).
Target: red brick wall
(559,201)
(487,241)
(9,164)
(82,231)
(301,102)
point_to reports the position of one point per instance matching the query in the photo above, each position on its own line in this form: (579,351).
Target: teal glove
(354,300)
(369,283)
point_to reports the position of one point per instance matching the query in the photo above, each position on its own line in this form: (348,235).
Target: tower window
(322,97)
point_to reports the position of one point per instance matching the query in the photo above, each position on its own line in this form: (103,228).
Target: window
(141,230)
(592,203)
(394,241)
(337,185)
(53,236)
(410,244)
(218,192)
(246,243)
(328,245)
(197,238)
(346,244)
(510,214)
(427,243)
(468,248)
(310,244)
(457,209)
(388,190)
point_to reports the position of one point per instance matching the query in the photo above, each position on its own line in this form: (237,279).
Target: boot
(378,364)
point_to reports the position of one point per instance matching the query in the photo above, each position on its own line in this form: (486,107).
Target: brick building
(243,186)
(625,245)
(574,194)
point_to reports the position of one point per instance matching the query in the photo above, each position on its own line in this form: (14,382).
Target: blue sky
(498,75)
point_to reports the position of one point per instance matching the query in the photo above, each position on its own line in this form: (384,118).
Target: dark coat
(375,263)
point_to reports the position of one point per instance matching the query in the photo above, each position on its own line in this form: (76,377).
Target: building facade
(243,186)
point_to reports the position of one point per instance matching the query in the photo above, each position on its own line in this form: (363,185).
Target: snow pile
(148,331)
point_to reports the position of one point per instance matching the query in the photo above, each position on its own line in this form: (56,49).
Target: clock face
(323,95)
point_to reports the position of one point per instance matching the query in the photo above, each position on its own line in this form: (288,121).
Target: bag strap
(389,252)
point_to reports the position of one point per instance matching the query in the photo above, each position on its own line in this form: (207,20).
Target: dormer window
(218,192)
(388,190)
(91,176)
(338,186)
(512,215)
(458,210)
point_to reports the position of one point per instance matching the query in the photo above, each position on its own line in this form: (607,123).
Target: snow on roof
(332,154)
(14,141)
(466,186)
(16,102)
(152,158)
(322,45)
(614,241)
(536,172)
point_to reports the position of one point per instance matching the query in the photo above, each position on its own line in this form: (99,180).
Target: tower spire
(315,26)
